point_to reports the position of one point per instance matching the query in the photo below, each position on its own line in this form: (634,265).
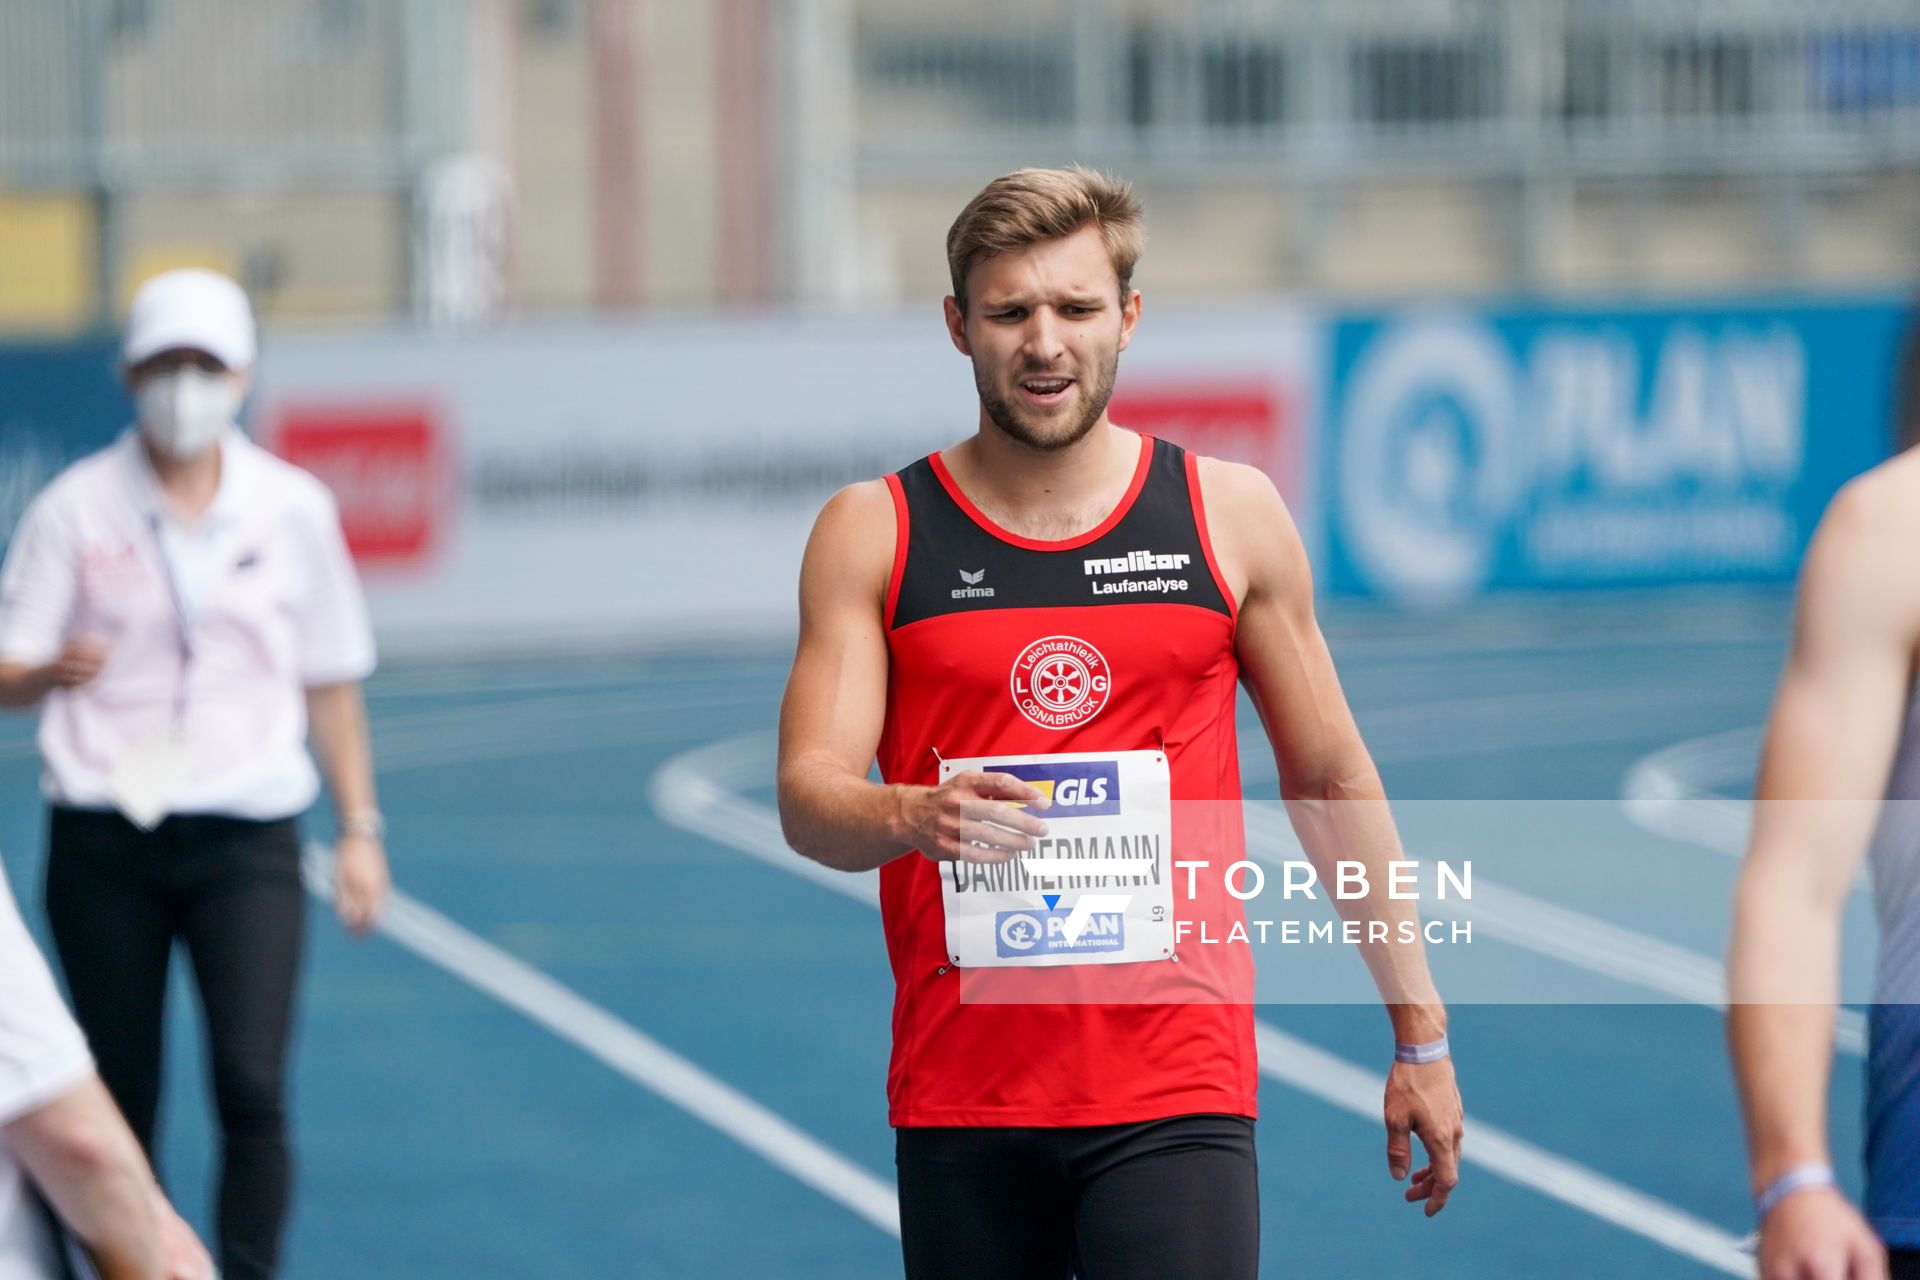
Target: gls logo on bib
(1079,789)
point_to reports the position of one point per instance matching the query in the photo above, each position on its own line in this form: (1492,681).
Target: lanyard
(182,619)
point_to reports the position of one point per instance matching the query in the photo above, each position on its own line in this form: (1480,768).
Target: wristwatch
(367,823)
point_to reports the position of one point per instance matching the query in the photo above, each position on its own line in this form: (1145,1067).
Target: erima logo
(973,590)
(1135,562)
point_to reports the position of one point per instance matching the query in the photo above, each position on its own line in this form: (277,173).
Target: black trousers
(1174,1199)
(117,899)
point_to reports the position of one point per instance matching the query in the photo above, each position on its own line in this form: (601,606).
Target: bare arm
(81,1155)
(337,726)
(37,589)
(23,686)
(1830,743)
(1327,778)
(835,706)
(1333,794)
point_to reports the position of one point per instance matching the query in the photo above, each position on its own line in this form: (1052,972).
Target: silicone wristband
(1432,1051)
(1798,1178)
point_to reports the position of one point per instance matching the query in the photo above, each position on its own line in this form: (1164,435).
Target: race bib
(1098,887)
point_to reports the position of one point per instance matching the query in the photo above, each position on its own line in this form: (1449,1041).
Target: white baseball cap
(194,308)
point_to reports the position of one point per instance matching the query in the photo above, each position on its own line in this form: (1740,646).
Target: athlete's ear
(1129,317)
(957,326)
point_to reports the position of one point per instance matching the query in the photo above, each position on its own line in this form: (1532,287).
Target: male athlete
(1839,779)
(1049,618)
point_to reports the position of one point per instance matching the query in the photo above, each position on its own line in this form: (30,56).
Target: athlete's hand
(360,882)
(79,662)
(971,818)
(1816,1235)
(1423,1099)
(185,1257)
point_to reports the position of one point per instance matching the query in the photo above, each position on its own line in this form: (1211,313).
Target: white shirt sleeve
(37,587)
(336,638)
(42,1052)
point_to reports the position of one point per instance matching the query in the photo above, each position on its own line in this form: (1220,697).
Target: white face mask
(183,412)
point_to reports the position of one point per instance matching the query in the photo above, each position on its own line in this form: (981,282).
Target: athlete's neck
(1046,493)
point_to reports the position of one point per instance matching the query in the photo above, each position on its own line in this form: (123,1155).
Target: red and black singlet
(1118,640)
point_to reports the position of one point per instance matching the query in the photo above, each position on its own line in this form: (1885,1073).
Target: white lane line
(1572,937)
(695,791)
(638,1057)
(1333,1079)
(1675,792)
(699,791)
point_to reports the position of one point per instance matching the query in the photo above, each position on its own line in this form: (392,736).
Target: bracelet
(1799,1178)
(367,823)
(1431,1051)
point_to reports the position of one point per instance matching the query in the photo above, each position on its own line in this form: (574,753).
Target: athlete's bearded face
(1045,326)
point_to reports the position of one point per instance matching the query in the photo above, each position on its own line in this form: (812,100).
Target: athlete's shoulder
(74,481)
(1241,500)
(1860,561)
(865,504)
(853,540)
(288,481)
(1234,481)
(80,486)
(1879,502)
(1253,535)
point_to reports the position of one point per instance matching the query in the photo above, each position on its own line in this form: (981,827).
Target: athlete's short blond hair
(1030,205)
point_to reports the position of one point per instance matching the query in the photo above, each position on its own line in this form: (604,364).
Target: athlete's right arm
(835,707)
(82,1157)
(36,602)
(1830,744)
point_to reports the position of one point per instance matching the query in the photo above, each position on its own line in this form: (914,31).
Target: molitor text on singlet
(1060,681)
(1134,562)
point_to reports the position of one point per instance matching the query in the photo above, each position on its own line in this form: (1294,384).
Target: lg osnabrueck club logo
(1060,682)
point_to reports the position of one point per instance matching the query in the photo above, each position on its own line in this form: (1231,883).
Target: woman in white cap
(183,607)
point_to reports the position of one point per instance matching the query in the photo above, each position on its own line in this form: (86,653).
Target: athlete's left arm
(337,729)
(1332,792)
(1830,746)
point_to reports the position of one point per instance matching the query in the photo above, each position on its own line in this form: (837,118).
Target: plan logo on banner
(388,468)
(1567,449)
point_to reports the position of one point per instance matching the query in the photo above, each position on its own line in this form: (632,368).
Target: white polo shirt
(42,1056)
(268,605)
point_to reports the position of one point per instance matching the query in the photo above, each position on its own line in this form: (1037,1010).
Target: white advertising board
(655,482)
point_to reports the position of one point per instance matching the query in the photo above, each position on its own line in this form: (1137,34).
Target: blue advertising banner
(58,402)
(1463,451)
